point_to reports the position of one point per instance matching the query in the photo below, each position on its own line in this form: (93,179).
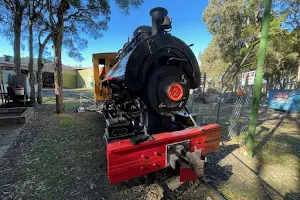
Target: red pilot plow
(127,161)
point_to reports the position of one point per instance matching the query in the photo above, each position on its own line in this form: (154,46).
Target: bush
(200,97)
(212,91)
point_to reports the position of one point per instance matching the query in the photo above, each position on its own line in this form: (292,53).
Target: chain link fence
(234,110)
(240,117)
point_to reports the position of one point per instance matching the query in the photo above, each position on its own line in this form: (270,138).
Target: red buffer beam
(127,161)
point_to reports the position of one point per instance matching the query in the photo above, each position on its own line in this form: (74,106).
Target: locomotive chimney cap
(159,20)
(163,11)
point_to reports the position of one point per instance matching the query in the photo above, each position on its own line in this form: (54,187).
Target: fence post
(259,77)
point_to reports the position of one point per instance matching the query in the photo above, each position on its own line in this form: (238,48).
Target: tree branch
(41,33)
(39,4)
(296,19)
(9,5)
(63,6)
(51,19)
(25,5)
(78,13)
(46,40)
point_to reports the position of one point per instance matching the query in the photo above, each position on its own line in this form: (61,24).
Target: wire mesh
(240,117)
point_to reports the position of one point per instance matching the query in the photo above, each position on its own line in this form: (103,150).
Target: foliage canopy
(236,24)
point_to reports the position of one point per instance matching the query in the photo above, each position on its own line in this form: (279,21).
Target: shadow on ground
(216,173)
(63,157)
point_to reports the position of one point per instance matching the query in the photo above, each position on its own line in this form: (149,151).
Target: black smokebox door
(158,86)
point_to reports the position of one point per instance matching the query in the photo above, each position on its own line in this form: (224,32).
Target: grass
(64,159)
(65,121)
(275,166)
(70,103)
(84,89)
(49,100)
(64,156)
(276,162)
(274,171)
(67,159)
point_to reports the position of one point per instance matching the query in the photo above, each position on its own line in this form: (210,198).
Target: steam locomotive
(151,81)
(147,124)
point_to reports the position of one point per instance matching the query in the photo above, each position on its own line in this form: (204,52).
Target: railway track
(212,192)
(172,188)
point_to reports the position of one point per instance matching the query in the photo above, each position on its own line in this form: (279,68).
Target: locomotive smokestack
(158,15)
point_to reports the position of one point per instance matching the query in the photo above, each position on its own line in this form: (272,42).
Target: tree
(15,9)
(283,50)
(291,8)
(237,24)
(72,17)
(35,8)
(44,36)
(212,62)
(36,23)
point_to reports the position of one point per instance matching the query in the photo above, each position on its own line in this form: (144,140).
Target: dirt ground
(63,157)
(274,170)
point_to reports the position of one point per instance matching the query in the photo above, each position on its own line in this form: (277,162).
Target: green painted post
(259,77)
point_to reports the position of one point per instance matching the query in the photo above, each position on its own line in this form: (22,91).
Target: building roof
(10,64)
(106,55)
(7,61)
(82,68)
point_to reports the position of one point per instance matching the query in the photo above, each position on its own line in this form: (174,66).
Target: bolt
(162,105)
(156,153)
(154,164)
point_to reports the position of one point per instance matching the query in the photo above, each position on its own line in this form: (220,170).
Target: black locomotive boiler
(150,81)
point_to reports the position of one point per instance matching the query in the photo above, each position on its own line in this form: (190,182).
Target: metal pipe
(191,117)
(157,15)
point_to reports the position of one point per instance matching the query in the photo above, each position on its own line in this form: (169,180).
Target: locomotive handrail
(118,56)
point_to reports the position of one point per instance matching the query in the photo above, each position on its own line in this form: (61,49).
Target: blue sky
(187,24)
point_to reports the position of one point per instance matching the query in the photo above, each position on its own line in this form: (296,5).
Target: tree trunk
(30,67)
(298,74)
(40,84)
(39,77)
(58,68)
(40,68)
(17,41)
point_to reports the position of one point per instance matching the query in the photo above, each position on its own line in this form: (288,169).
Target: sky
(187,25)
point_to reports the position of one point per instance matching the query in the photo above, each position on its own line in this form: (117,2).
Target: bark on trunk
(39,74)
(17,41)
(298,74)
(58,68)
(40,68)
(39,78)
(30,67)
